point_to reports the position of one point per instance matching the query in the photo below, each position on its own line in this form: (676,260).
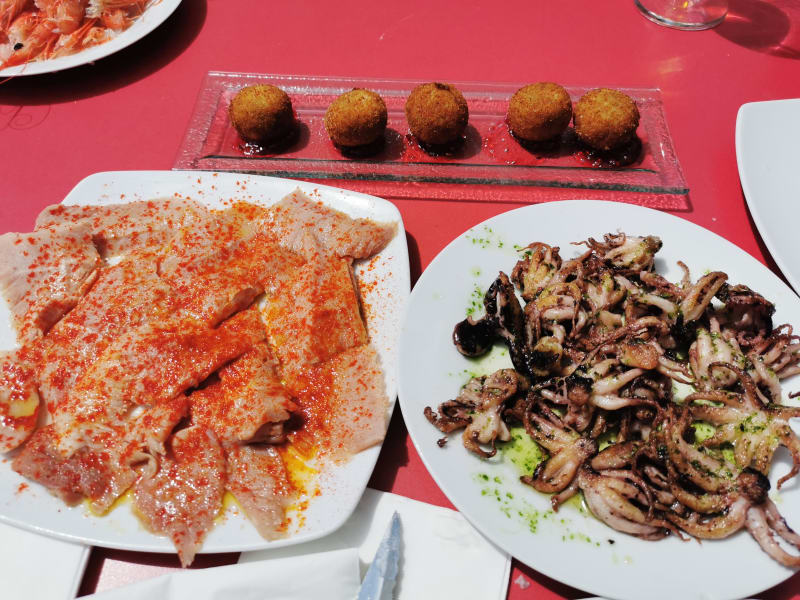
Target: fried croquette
(539,112)
(437,113)
(356,118)
(606,119)
(262,114)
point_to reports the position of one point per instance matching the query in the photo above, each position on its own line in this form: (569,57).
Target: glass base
(688,15)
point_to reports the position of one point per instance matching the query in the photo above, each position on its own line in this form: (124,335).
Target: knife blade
(381,575)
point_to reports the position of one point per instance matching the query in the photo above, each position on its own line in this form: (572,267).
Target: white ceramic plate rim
(605,570)
(759,200)
(343,484)
(150,19)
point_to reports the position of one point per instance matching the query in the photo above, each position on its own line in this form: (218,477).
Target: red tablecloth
(130,110)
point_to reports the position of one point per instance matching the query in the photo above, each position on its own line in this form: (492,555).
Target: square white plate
(768,154)
(385,288)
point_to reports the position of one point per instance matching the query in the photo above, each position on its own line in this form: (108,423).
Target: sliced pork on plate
(178,351)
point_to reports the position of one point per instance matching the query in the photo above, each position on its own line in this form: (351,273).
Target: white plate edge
(752,205)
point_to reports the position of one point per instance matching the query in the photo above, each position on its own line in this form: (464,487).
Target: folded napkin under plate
(282,579)
(36,566)
(442,556)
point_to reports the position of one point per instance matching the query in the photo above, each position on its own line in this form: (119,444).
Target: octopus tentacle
(778,524)
(568,451)
(714,528)
(700,295)
(759,527)
(609,499)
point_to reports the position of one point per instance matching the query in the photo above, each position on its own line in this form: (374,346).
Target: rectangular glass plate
(490,165)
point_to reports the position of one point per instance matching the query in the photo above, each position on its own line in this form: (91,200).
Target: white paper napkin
(443,556)
(334,576)
(35,566)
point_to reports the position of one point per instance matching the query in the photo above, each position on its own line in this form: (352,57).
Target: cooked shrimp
(66,15)
(31,38)
(5,48)
(10,10)
(98,7)
(21,27)
(95,36)
(116,19)
(40,29)
(70,43)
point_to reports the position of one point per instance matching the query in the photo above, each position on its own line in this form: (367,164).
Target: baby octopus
(597,344)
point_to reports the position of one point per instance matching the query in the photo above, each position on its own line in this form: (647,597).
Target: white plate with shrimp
(572,546)
(155,13)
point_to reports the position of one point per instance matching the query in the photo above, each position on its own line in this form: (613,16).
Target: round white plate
(571,546)
(767,154)
(386,281)
(150,19)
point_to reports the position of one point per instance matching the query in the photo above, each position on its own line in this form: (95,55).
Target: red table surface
(130,111)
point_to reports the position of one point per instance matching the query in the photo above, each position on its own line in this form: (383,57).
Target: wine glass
(684,14)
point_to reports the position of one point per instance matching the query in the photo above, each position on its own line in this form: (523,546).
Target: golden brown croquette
(436,113)
(606,119)
(261,113)
(356,118)
(539,112)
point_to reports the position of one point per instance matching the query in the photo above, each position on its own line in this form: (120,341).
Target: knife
(381,575)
